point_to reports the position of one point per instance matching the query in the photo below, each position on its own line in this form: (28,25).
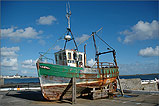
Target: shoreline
(140,74)
(37,77)
(18,78)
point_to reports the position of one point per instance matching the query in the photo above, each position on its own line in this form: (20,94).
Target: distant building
(13,76)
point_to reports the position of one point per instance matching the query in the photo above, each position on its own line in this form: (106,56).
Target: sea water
(36,80)
(142,77)
(21,80)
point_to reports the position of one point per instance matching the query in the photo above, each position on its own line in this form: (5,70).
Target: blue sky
(30,27)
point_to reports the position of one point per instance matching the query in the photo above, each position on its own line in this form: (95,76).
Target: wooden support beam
(73,90)
(98,93)
(121,90)
(67,88)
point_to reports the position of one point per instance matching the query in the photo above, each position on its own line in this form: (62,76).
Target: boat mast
(97,56)
(68,37)
(85,55)
(110,51)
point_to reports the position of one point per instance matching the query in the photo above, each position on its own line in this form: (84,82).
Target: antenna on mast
(68,15)
(68,37)
(66,8)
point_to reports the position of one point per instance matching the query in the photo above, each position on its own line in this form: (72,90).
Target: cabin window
(74,56)
(80,57)
(56,57)
(60,56)
(69,55)
(64,56)
(73,61)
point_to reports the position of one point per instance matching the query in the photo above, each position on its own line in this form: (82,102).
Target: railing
(104,65)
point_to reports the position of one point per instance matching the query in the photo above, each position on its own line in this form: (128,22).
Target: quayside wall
(135,84)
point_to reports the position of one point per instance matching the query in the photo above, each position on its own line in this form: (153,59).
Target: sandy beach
(35,98)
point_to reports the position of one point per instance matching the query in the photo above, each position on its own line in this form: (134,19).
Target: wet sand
(35,98)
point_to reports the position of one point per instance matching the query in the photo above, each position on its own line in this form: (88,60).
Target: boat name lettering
(45,67)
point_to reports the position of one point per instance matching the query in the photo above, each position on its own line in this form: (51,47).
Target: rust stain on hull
(54,92)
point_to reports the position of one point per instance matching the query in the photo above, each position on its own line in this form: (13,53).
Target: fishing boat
(55,78)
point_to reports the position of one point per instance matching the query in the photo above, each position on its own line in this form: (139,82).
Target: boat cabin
(70,58)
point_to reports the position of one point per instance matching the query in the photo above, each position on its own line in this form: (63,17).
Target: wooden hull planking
(56,83)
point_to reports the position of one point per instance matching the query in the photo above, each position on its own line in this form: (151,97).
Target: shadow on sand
(29,95)
(33,96)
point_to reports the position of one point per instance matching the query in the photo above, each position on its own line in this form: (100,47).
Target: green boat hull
(55,79)
(47,69)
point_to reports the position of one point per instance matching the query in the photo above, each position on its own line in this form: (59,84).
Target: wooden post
(121,90)
(1,81)
(73,90)
(85,63)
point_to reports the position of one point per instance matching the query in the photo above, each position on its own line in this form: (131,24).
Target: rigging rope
(104,41)
(84,40)
(89,36)
(52,45)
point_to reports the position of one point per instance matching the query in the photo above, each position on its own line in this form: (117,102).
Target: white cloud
(82,38)
(24,72)
(9,58)
(57,47)
(46,20)
(149,51)
(9,52)
(29,41)
(119,39)
(10,63)
(138,68)
(142,31)
(14,33)
(29,64)
(42,42)
(91,62)
(28,72)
